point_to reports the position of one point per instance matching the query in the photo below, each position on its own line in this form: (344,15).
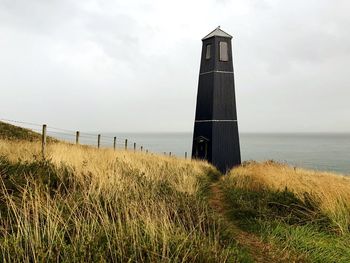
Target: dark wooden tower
(215,136)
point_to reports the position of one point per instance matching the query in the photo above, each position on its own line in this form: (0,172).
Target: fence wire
(85,138)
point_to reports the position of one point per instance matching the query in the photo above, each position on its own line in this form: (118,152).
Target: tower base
(217,142)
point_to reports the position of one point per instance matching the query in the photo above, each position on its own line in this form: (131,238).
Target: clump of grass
(305,212)
(12,132)
(328,194)
(100,205)
(316,245)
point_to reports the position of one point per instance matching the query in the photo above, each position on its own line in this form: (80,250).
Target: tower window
(223,51)
(207,52)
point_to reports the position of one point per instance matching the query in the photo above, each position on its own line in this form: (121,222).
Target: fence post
(98,141)
(115,143)
(134,146)
(146,151)
(185,155)
(77,137)
(141,148)
(169,153)
(126,144)
(43,142)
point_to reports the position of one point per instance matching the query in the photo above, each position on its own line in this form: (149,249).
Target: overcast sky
(113,65)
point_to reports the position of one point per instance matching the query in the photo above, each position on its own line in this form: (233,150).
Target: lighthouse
(215,136)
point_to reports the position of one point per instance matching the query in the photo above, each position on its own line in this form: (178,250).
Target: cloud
(137,62)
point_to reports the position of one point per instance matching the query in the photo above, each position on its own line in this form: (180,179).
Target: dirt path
(259,250)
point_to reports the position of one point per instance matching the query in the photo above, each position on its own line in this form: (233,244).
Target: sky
(113,65)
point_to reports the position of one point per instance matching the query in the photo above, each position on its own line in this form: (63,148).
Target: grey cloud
(41,17)
(135,64)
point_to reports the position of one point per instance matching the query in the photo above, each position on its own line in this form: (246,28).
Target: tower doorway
(201,147)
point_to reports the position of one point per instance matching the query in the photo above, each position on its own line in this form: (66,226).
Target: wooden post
(134,146)
(98,141)
(126,144)
(169,153)
(164,153)
(43,142)
(115,143)
(146,151)
(141,148)
(185,155)
(77,137)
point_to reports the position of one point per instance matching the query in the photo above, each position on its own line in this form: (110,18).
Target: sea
(319,151)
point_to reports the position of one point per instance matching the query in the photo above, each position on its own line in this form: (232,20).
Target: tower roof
(217,32)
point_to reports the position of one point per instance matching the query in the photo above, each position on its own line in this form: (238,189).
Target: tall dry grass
(85,204)
(329,192)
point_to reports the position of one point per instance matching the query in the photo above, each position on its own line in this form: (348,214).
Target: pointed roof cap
(217,32)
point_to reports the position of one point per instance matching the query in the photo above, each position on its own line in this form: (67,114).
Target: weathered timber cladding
(215,136)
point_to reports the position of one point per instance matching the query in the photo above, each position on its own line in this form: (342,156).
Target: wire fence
(99,140)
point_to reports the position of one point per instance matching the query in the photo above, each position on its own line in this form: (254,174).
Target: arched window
(223,51)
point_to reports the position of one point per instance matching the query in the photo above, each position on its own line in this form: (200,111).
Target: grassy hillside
(12,132)
(85,203)
(299,210)
(88,204)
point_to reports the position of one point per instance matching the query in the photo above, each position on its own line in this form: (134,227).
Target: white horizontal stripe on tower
(216,71)
(215,120)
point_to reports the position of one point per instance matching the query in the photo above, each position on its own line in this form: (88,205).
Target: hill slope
(298,210)
(83,203)
(12,132)
(101,205)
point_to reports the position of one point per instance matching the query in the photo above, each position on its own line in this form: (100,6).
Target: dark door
(201,148)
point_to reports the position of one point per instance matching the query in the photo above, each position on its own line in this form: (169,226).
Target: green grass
(281,218)
(56,212)
(85,204)
(13,133)
(318,246)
